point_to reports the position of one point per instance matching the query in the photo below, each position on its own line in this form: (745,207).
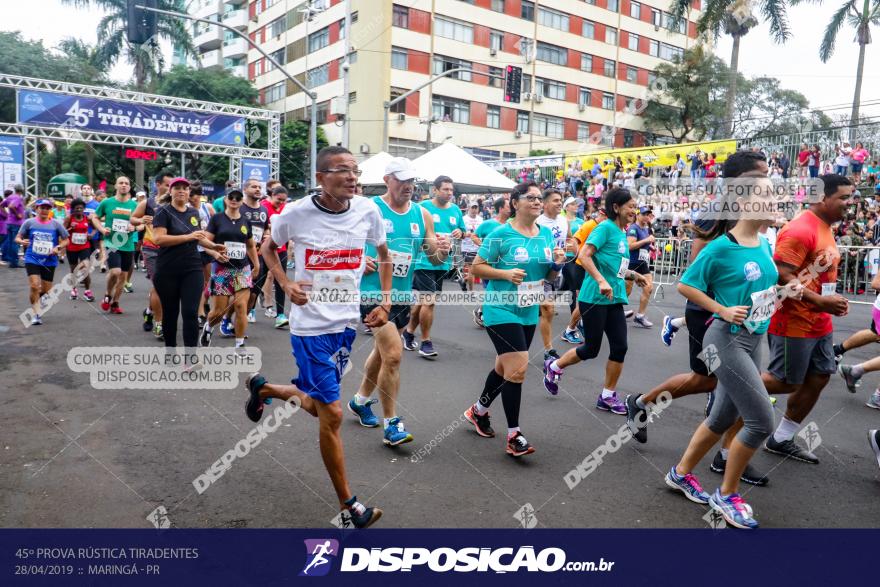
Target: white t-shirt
(328,250)
(558,226)
(470,225)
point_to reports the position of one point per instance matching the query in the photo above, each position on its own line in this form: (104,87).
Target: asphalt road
(73,456)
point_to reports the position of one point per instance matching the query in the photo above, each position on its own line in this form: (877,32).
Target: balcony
(239,71)
(236,47)
(211,58)
(236,18)
(211,37)
(205,9)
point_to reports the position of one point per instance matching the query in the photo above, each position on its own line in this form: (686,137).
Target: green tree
(295,152)
(764,108)
(540,152)
(211,84)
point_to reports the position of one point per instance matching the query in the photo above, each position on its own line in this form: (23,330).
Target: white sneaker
(252,317)
(270,312)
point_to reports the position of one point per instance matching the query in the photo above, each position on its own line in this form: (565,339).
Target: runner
(428,278)
(738,270)
(641,241)
(605,258)
(43,239)
(501,206)
(206,211)
(856,340)
(274,204)
(852,374)
(801,339)
(96,239)
(258,218)
(574,331)
(470,242)
(15,217)
(329,232)
(143,216)
(572,274)
(78,249)
(120,233)
(231,276)
(514,259)
(555,221)
(409,229)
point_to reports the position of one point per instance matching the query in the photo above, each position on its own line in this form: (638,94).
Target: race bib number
(257,232)
(829,289)
(644,255)
(763,306)
(333,287)
(235,250)
(42,247)
(400,263)
(529,293)
(78,238)
(624,265)
(119,225)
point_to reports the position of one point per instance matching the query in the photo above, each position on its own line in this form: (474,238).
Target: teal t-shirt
(406,234)
(486,227)
(505,248)
(737,276)
(116,216)
(219,205)
(445,221)
(612,260)
(573,226)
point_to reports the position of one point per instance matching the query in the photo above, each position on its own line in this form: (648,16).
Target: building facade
(216,46)
(585,65)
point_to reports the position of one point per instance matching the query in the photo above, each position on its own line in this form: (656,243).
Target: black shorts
(77,257)
(206,258)
(120,259)
(511,338)
(399,315)
(45,273)
(429,280)
(697,327)
(640,267)
(573,277)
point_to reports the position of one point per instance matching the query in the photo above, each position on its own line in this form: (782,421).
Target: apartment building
(584,62)
(217,46)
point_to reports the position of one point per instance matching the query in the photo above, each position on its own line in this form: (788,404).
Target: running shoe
(667,333)
(361,519)
(750,475)
(396,434)
(115,309)
(205,338)
(852,382)
(874,401)
(364,412)
(36,320)
(518,446)
(148,320)
(838,353)
(628,314)
(157,331)
(636,418)
(254,407)
(790,449)
(611,404)
(89,296)
(874,441)
(426,349)
(73,294)
(551,377)
(252,317)
(643,321)
(240,348)
(202,320)
(105,304)
(270,312)
(551,354)
(409,340)
(128,287)
(481,423)
(572,336)
(478,318)
(735,511)
(226,329)
(689,485)
(281,321)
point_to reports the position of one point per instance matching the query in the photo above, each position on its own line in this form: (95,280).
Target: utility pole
(346,79)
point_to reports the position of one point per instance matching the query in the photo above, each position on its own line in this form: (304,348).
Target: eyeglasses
(344,171)
(532,198)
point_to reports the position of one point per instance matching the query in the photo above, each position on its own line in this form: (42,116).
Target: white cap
(401,168)
(569,200)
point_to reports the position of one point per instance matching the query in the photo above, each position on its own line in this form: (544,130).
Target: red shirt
(267,204)
(79,231)
(803,156)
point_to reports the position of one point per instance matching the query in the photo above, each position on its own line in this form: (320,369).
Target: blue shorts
(322,361)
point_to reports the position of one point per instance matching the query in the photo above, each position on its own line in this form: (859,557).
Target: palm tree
(147,58)
(736,19)
(860,15)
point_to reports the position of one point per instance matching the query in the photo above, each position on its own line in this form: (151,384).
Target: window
(495,82)
(608,101)
(352,97)
(632,74)
(496,40)
(318,76)
(550,89)
(342,29)
(610,68)
(493,117)
(275,93)
(653,48)
(611,36)
(553,19)
(527,10)
(583,132)
(452,29)
(635,10)
(586,62)
(652,77)
(497,5)
(526,85)
(451,110)
(670,52)
(319,40)
(552,53)
(354,17)
(279,56)
(400,16)
(522,121)
(667,22)
(633,42)
(399,58)
(588,30)
(258,67)
(614,5)
(277,26)
(628,136)
(655,16)
(548,126)
(230,62)
(442,64)
(584,97)
(400,107)
(322,109)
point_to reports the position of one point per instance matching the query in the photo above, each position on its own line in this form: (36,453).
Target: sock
(239,341)
(511,432)
(678,322)
(607,393)
(724,453)
(786,430)
(149,312)
(480,409)
(640,403)
(555,366)
(207,327)
(639,315)
(359,399)
(355,506)
(570,330)
(858,370)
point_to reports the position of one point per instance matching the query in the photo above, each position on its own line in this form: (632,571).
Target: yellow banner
(659,155)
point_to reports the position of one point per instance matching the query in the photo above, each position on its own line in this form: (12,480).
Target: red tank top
(79,234)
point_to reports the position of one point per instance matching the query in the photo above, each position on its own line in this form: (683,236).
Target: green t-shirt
(486,228)
(116,215)
(504,249)
(219,205)
(573,226)
(737,276)
(445,221)
(612,260)
(406,234)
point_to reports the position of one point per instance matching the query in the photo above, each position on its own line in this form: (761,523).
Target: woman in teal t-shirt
(514,260)
(605,257)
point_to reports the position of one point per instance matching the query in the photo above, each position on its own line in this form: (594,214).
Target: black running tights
(180,294)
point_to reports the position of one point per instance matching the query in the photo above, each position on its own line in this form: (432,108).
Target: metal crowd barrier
(670,261)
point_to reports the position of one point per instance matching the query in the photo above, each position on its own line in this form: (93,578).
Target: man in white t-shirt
(470,243)
(553,219)
(329,233)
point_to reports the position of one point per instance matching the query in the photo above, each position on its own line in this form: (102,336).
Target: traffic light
(512,83)
(141,25)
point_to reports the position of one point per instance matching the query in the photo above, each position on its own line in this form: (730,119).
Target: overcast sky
(829,86)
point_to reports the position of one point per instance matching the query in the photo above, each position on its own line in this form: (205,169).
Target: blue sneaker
(689,485)
(426,350)
(364,412)
(667,333)
(252,317)
(572,336)
(409,341)
(395,433)
(226,329)
(551,377)
(735,511)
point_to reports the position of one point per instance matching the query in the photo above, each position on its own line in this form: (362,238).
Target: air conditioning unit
(401,117)
(527,96)
(582,107)
(337,106)
(518,134)
(365,148)
(493,52)
(539,98)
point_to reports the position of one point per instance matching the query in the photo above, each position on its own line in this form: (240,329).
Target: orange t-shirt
(583,233)
(808,244)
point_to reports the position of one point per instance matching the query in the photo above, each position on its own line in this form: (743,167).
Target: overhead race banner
(50,109)
(660,155)
(11,161)
(258,169)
